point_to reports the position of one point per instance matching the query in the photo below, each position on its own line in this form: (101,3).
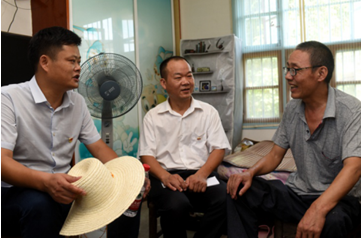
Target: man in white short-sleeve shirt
(183,141)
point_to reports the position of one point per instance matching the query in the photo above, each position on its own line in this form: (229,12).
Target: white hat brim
(128,174)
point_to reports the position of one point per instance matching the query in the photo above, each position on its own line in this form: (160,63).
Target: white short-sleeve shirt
(40,137)
(182,141)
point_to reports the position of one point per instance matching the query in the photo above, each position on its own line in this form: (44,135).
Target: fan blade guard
(113,78)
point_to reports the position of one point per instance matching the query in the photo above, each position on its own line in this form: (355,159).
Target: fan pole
(107,124)
(107,132)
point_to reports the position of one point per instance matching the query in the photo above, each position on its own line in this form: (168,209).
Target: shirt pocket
(330,162)
(331,153)
(198,143)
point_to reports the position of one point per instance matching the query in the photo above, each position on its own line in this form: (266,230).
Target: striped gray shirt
(319,157)
(40,137)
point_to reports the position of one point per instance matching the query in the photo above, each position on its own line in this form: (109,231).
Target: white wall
(22,23)
(205,18)
(258,134)
(199,19)
(212,18)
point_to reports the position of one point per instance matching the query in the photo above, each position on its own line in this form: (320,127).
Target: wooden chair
(153,221)
(284,229)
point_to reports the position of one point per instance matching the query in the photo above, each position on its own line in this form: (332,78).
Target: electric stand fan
(111,85)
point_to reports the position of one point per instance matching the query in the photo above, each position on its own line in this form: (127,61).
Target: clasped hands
(195,183)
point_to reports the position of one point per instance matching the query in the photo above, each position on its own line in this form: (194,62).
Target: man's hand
(60,188)
(196,183)
(235,180)
(147,187)
(175,182)
(311,224)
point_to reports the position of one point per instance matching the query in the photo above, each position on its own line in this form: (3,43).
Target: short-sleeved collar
(165,107)
(39,96)
(330,111)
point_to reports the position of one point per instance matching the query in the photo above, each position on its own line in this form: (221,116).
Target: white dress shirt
(182,142)
(40,137)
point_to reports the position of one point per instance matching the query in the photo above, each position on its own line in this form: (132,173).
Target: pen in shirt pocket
(324,155)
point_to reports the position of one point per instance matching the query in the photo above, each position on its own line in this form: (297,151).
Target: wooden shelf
(207,53)
(210,92)
(203,72)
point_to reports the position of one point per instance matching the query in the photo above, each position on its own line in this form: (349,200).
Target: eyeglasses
(294,71)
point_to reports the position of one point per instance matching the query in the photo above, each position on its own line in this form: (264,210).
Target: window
(99,30)
(348,71)
(263,89)
(270,30)
(128,34)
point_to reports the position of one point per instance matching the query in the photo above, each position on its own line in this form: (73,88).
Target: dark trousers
(125,227)
(267,199)
(174,208)
(31,213)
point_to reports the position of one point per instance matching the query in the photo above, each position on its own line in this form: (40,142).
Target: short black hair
(50,41)
(320,54)
(163,65)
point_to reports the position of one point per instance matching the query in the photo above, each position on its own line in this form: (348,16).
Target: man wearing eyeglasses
(322,127)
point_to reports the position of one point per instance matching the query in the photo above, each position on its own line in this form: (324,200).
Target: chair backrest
(15,66)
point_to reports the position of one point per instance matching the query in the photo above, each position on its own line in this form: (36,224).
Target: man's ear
(163,83)
(44,62)
(322,73)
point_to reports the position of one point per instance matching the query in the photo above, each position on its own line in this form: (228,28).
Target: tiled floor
(144,229)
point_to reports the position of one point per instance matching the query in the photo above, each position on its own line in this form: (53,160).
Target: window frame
(344,47)
(242,22)
(283,47)
(245,57)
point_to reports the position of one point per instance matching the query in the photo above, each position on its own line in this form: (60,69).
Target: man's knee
(219,200)
(40,204)
(337,223)
(179,207)
(27,202)
(36,213)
